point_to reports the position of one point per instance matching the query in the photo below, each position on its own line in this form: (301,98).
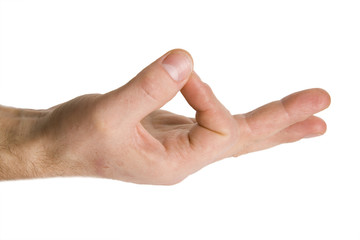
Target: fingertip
(318,127)
(178,63)
(307,102)
(324,97)
(183,51)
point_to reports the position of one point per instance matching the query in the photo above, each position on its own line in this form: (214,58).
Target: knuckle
(207,94)
(149,88)
(283,107)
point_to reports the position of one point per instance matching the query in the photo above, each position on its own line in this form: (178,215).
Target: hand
(122,134)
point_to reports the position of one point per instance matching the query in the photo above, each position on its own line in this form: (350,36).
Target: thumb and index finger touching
(159,83)
(150,89)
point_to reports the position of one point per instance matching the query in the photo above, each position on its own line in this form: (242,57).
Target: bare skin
(123,135)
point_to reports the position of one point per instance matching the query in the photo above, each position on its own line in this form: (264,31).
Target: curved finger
(214,121)
(210,113)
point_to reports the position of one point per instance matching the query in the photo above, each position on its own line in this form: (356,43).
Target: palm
(165,126)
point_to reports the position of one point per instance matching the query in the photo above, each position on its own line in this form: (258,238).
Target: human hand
(123,134)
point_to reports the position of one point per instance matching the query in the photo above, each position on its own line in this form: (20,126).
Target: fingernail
(178,65)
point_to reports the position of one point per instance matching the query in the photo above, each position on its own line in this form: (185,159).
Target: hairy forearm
(36,144)
(21,147)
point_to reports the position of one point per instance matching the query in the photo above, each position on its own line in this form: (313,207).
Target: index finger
(215,125)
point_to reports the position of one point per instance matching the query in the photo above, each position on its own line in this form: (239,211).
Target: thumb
(151,88)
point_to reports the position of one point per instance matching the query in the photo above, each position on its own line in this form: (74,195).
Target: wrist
(21,147)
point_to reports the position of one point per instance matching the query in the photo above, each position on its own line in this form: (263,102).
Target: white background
(250,53)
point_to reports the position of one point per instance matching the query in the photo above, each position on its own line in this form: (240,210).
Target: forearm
(35,144)
(21,148)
